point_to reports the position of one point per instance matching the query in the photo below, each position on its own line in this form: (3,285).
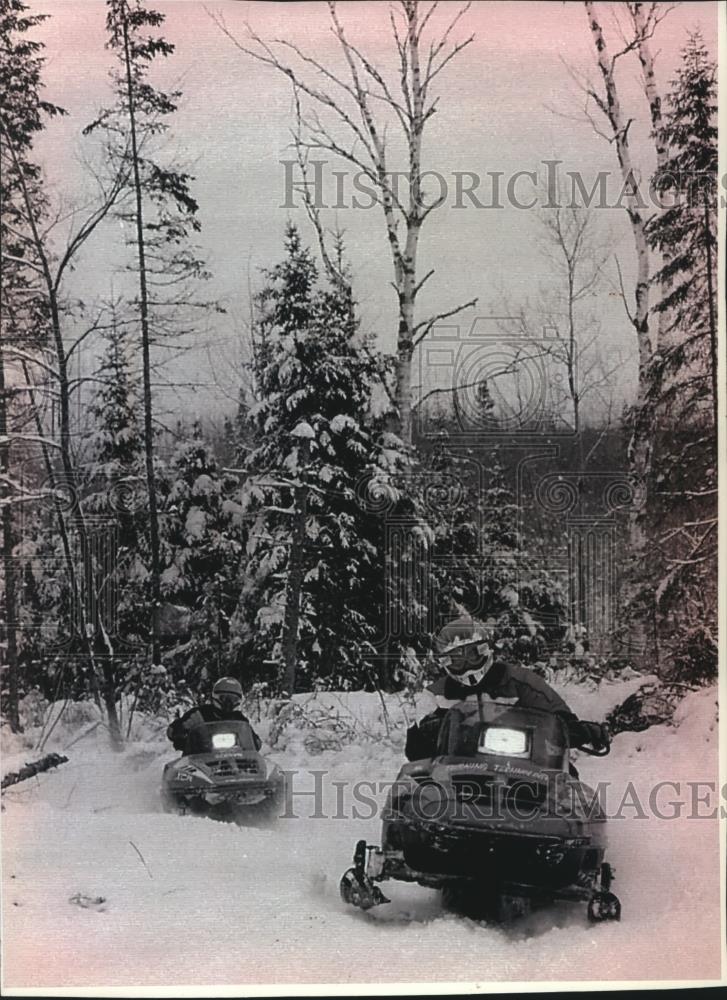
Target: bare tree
(162,217)
(10,590)
(608,101)
(362,103)
(36,238)
(644,20)
(571,243)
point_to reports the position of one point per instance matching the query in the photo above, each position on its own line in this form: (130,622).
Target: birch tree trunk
(355,102)
(643,30)
(609,103)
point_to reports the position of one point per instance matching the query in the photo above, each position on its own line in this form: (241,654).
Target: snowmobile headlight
(498,739)
(223,741)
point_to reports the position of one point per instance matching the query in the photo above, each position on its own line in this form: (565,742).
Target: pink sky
(507,103)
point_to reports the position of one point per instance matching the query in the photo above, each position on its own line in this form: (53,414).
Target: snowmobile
(221,774)
(497,819)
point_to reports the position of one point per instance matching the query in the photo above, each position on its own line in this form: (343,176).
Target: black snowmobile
(221,774)
(497,819)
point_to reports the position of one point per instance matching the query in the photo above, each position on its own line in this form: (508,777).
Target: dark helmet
(464,648)
(227,694)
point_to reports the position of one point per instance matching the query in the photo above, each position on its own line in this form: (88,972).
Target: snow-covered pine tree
(483,560)
(681,519)
(23,304)
(115,491)
(319,451)
(685,233)
(201,548)
(161,218)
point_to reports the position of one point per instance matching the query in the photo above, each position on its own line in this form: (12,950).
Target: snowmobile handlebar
(593,738)
(604,751)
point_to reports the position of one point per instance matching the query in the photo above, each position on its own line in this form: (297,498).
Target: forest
(318,533)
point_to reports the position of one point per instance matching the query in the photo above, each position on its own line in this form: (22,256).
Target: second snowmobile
(221,774)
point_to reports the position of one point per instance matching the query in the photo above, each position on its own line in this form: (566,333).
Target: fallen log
(30,770)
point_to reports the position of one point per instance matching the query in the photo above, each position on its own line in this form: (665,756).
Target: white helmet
(465,649)
(227,694)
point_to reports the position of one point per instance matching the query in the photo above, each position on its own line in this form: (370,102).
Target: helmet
(465,649)
(227,694)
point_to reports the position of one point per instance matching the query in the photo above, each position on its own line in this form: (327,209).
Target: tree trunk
(640,446)
(712,313)
(294,584)
(30,770)
(663,321)
(90,631)
(92,628)
(408,270)
(650,89)
(11,708)
(146,365)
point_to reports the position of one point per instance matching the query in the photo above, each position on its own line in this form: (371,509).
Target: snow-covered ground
(193,901)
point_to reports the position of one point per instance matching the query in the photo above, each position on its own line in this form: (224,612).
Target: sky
(509,102)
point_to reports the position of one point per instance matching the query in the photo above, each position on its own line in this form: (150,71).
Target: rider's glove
(593,734)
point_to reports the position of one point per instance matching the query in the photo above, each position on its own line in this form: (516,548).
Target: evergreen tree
(201,549)
(23,303)
(682,515)
(116,437)
(23,114)
(319,452)
(685,233)
(115,487)
(162,217)
(483,562)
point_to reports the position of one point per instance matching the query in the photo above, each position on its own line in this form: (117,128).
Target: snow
(303,430)
(380,402)
(195,523)
(342,422)
(204,485)
(192,901)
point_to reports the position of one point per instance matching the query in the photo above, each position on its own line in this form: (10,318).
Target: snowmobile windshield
(504,731)
(213,737)
(507,740)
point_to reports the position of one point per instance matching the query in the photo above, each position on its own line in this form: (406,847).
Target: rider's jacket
(207,712)
(502,680)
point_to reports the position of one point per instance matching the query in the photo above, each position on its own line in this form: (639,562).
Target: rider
(464,649)
(224,707)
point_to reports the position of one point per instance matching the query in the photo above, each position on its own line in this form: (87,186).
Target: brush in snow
(221,774)
(497,820)
(30,770)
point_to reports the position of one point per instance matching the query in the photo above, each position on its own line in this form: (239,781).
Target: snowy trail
(193,901)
